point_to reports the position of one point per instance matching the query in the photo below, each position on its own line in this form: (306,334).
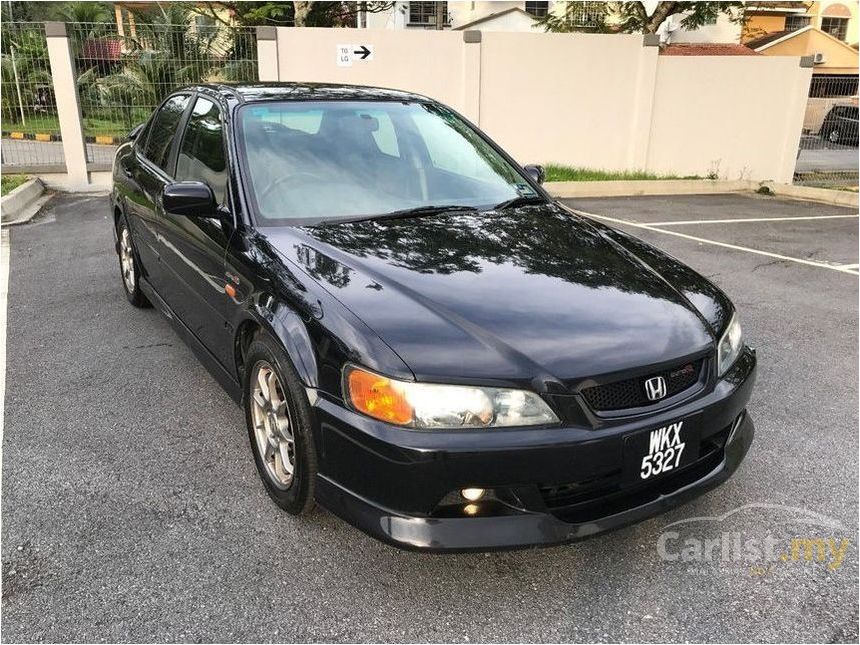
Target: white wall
(601,101)
(561,97)
(724,31)
(739,116)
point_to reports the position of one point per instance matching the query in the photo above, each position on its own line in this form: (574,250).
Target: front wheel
(129,267)
(278,417)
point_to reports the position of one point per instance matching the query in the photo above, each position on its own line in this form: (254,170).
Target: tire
(279,426)
(129,266)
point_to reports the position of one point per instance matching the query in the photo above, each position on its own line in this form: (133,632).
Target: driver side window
(201,155)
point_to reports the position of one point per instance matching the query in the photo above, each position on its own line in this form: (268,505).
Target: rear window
(162,130)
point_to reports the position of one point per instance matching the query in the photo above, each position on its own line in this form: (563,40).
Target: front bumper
(559,484)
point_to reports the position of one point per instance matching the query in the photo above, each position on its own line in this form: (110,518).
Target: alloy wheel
(273,427)
(126,260)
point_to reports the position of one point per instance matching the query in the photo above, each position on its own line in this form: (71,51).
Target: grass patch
(96,124)
(555,172)
(8,183)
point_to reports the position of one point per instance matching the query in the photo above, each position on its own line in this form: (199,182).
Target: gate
(828,155)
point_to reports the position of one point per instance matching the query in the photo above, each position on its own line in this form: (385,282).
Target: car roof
(255,92)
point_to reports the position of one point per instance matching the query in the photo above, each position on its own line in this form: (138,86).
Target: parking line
(5,248)
(748,219)
(842,268)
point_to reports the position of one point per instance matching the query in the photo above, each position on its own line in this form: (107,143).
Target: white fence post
(267,54)
(68,104)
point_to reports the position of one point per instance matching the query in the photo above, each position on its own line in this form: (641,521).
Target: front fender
(286,326)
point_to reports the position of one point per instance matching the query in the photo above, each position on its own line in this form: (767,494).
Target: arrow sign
(346,54)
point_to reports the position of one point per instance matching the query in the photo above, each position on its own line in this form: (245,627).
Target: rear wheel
(128,266)
(278,417)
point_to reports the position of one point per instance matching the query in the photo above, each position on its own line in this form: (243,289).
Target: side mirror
(536,172)
(135,131)
(189,198)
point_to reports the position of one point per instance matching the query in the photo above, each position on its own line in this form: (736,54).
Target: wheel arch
(287,328)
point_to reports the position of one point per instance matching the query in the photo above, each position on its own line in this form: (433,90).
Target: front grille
(630,393)
(587,501)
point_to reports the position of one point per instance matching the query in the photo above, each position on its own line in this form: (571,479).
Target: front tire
(279,421)
(129,267)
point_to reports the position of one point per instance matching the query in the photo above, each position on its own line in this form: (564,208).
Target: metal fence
(828,154)
(123,72)
(28,108)
(122,77)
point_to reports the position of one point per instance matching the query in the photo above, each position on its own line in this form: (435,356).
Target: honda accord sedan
(423,340)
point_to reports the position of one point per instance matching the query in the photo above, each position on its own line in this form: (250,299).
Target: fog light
(471,509)
(472,494)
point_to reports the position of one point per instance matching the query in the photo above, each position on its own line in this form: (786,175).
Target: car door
(193,248)
(149,172)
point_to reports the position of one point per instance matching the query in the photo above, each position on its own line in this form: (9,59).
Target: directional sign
(346,54)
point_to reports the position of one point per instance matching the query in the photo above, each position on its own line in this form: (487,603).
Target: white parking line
(4,292)
(842,268)
(748,219)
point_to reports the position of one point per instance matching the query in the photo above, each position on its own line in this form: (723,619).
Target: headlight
(425,405)
(730,346)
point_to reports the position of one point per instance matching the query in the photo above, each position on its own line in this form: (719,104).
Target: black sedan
(423,340)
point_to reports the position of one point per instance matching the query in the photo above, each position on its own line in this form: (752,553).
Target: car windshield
(317,161)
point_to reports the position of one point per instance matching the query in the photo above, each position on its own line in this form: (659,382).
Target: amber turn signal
(377,397)
(230,290)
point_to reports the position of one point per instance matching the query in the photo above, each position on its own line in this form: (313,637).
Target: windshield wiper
(522,200)
(419,211)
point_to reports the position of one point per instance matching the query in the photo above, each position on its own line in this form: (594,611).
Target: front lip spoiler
(443,535)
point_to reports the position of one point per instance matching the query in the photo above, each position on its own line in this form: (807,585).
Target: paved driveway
(132,510)
(817,155)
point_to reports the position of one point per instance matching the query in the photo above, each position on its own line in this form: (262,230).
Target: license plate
(660,451)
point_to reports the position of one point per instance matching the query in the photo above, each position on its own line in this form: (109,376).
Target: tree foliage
(288,14)
(633,17)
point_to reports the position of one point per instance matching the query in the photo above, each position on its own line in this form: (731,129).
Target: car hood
(529,294)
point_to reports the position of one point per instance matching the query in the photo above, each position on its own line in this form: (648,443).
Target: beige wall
(425,61)
(737,116)
(602,101)
(561,97)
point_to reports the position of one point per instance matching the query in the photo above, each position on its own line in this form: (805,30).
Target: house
(511,19)
(489,16)
(502,15)
(839,19)
(834,72)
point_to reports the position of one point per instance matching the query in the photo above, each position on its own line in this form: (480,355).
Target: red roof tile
(102,49)
(707,49)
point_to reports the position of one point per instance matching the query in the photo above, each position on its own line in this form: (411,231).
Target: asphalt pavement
(131,509)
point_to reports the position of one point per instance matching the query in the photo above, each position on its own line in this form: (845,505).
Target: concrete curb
(565,189)
(23,203)
(573,189)
(809,193)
